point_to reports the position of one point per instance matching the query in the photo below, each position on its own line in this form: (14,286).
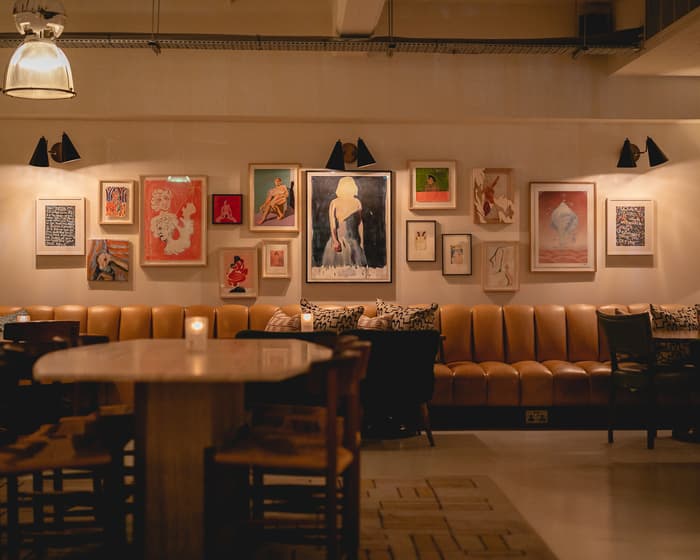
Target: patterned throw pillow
(10,318)
(339,319)
(381,323)
(409,318)
(281,322)
(670,353)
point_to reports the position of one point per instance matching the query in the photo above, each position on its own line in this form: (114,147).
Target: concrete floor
(587,499)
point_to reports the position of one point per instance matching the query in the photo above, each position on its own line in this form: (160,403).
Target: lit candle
(23,317)
(196,330)
(307,322)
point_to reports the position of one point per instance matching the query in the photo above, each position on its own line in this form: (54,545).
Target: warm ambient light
(196,331)
(307,322)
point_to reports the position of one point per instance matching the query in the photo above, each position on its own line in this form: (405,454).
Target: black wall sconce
(348,153)
(61,152)
(630,154)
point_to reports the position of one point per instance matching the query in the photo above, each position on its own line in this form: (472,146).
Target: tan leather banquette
(511,355)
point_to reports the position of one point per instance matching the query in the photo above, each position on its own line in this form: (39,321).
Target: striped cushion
(381,323)
(281,322)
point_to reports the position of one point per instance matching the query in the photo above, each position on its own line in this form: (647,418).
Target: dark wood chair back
(42,331)
(629,338)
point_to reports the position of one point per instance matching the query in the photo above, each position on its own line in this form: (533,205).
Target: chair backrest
(628,337)
(325,338)
(42,331)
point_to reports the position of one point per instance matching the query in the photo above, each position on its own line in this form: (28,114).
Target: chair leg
(611,411)
(13,536)
(651,419)
(425,418)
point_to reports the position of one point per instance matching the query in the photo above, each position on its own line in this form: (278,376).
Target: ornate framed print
(275,259)
(433,185)
(60,226)
(174,224)
(421,240)
(117,202)
(562,227)
(238,272)
(494,196)
(456,254)
(108,260)
(226,209)
(499,266)
(274,200)
(630,227)
(348,237)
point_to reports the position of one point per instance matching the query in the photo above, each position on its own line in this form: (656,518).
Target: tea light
(196,331)
(307,322)
(23,317)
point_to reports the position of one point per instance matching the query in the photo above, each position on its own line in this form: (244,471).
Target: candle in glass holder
(23,317)
(307,322)
(196,331)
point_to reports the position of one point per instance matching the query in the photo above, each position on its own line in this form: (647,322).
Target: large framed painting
(349,226)
(226,209)
(420,240)
(562,227)
(494,196)
(499,266)
(433,185)
(116,202)
(274,200)
(108,260)
(174,220)
(456,254)
(275,257)
(630,227)
(60,226)
(238,272)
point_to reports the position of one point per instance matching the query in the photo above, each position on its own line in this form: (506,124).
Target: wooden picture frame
(630,227)
(174,220)
(433,185)
(108,260)
(359,249)
(226,209)
(499,266)
(562,227)
(493,195)
(238,272)
(117,202)
(421,240)
(276,262)
(60,226)
(274,197)
(456,254)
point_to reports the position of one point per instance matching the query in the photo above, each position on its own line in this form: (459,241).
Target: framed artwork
(630,227)
(60,226)
(456,254)
(274,201)
(174,224)
(348,237)
(238,272)
(276,259)
(433,185)
(562,227)
(420,240)
(117,202)
(494,197)
(499,266)
(227,209)
(108,260)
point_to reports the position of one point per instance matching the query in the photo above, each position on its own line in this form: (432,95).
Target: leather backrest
(259,314)
(40,312)
(168,321)
(550,330)
(207,311)
(104,320)
(582,332)
(7,309)
(487,328)
(72,313)
(135,322)
(231,318)
(456,328)
(519,321)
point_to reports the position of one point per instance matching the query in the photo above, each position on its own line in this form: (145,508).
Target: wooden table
(185,402)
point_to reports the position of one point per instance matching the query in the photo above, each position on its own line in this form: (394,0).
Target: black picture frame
(219,212)
(456,254)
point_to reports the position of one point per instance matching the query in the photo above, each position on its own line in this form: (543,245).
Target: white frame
(451,167)
(79,247)
(494,282)
(430,253)
(269,271)
(224,290)
(611,227)
(129,219)
(505,199)
(293,169)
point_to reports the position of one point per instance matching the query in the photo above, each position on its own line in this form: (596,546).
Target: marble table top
(168,360)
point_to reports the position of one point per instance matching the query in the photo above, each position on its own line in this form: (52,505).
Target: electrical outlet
(537,416)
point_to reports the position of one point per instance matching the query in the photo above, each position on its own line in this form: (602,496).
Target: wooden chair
(634,368)
(286,509)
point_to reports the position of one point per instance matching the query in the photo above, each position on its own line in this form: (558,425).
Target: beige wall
(548,118)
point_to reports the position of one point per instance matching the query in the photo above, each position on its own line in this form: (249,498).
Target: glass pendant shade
(39,69)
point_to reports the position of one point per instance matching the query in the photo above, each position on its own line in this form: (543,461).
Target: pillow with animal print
(409,318)
(332,319)
(672,353)
(379,323)
(281,322)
